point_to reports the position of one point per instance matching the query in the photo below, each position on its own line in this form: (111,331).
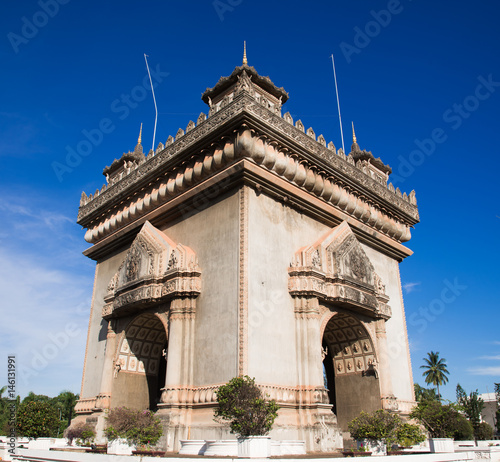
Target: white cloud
(44,322)
(491,358)
(45,287)
(410,286)
(495,370)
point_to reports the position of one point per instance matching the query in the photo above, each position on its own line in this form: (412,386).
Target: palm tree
(435,370)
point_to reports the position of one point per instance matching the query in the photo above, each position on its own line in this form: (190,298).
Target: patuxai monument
(247,245)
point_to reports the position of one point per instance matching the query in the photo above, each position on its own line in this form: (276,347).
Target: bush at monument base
(139,428)
(241,404)
(81,432)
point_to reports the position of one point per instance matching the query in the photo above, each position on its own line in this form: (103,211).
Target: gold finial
(139,140)
(353,134)
(245,62)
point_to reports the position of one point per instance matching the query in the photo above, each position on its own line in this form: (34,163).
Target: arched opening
(349,363)
(329,375)
(140,367)
(162,373)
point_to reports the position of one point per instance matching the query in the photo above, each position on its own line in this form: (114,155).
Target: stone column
(388,399)
(308,341)
(177,395)
(109,368)
(180,343)
(317,423)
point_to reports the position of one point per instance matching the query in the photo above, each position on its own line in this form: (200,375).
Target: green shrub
(484,431)
(242,404)
(140,428)
(463,430)
(409,434)
(379,425)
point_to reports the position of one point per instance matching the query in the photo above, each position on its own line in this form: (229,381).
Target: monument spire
(138,146)
(245,62)
(355,146)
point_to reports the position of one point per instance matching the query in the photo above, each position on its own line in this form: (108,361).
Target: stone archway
(139,374)
(350,364)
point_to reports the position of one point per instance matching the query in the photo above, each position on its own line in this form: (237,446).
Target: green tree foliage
(4,411)
(66,402)
(7,406)
(37,419)
(139,428)
(497,395)
(63,406)
(242,404)
(442,421)
(435,370)
(471,405)
(423,394)
(463,430)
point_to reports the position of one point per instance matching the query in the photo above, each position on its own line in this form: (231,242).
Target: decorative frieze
(285,396)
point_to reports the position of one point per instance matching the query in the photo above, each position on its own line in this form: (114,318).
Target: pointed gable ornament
(336,269)
(244,83)
(147,275)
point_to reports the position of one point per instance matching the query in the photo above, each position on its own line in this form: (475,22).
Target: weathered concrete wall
(213,234)
(96,337)
(397,340)
(276,232)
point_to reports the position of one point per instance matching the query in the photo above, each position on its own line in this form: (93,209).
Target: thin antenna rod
(338,104)
(154,99)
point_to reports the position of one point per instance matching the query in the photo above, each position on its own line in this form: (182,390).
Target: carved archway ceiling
(349,345)
(140,350)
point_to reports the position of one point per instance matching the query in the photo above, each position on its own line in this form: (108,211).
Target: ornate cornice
(276,145)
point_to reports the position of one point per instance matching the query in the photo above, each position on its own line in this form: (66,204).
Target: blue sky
(420,80)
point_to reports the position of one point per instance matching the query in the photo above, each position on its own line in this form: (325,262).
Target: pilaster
(389,401)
